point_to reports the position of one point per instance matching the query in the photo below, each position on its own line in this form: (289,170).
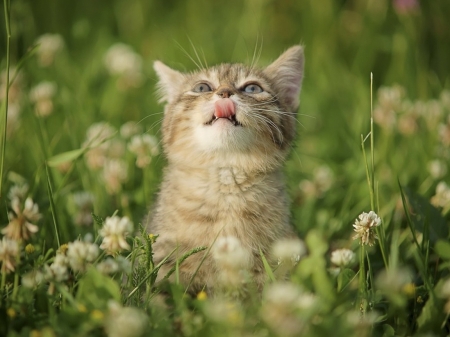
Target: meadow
(368,177)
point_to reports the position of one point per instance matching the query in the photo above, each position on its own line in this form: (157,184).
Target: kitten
(226,133)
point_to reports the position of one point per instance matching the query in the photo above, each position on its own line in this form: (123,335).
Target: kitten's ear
(286,72)
(169,82)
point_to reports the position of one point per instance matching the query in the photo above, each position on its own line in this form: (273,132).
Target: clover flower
(115,173)
(114,232)
(9,251)
(364,228)
(437,168)
(98,139)
(58,270)
(15,98)
(288,250)
(18,192)
(130,129)
(42,96)
(442,196)
(124,321)
(81,254)
(49,46)
(282,301)
(32,279)
(342,257)
(232,259)
(223,310)
(445,294)
(20,226)
(84,203)
(121,61)
(444,132)
(321,182)
(144,147)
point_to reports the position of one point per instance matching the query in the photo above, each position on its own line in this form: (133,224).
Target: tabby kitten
(226,132)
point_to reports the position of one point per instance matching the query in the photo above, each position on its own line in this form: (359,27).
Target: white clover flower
(20,226)
(98,140)
(437,168)
(129,129)
(282,294)
(18,192)
(42,96)
(124,321)
(445,98)
(364,228)
(233,261)
(223,310)
(115,173)
(32,279)
(9,251)
(114,232)
(228,252)
(444,132)
(15,98)
(120,60)
(442,196)
(445,290)
(321,182)
(58,270)
(80,254)
(342,257)
(124,264)
(407,124)
(108,266)
(98,133)
(49,46)
(288,250)
(144,147)
(281,303)
(84,202)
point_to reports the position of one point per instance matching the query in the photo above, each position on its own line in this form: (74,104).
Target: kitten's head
(231,114)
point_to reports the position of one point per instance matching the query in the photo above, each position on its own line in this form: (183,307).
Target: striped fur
(221,179)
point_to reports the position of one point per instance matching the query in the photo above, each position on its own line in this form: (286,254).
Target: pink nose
(224,108)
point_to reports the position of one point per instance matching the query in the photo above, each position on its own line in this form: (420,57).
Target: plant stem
(6,5)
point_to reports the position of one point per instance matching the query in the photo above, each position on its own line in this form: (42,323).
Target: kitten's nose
(224,92)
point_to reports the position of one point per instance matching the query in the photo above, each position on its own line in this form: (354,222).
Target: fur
(225,180)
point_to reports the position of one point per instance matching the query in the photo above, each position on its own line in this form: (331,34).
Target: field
(81,162)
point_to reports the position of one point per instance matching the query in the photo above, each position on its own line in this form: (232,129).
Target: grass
(367,143)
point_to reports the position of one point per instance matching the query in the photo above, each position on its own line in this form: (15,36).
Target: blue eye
(202,87)
(253,89)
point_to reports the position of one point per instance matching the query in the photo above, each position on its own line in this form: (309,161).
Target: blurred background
(404,43)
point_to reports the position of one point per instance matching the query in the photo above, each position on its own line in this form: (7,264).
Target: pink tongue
(224,108)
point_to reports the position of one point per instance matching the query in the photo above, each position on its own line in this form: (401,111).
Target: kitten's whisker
(272,100)
(154,124)
(267,122)
(196,54)
(256,55)
(148,116)
(199,66)
(284,113)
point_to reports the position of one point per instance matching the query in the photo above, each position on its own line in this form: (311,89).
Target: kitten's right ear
(169,82)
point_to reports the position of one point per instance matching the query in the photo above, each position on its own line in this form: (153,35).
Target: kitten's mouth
(232,119)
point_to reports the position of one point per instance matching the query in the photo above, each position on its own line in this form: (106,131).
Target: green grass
(341,166)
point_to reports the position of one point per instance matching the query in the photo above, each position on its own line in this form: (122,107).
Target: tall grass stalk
(6,6)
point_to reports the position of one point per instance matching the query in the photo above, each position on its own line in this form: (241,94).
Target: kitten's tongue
(224,108)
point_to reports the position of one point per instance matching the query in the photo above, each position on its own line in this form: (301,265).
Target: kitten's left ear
(286,72)
(169,82)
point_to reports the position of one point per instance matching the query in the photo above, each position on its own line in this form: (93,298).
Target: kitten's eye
(201,87)
(252,89)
